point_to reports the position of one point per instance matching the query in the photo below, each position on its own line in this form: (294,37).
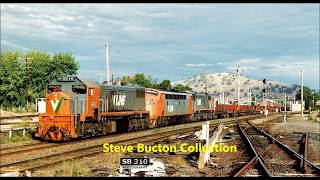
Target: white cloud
(171,38)
(248,61)
(199,65)
(242,68)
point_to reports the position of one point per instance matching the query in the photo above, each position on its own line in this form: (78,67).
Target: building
(296,106)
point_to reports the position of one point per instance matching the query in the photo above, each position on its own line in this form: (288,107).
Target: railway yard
(265,147)
(168,90)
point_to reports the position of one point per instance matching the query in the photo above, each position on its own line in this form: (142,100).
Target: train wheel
(147,122)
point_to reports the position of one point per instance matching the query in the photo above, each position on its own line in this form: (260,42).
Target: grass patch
(113,161)
(156,130)
(314,117)
(83,167)
(16,137)
(20,109)
(72,168)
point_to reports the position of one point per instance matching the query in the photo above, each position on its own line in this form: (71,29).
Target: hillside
(227,82)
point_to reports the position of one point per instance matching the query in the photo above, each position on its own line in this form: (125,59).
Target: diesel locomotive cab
(68,102)
(203,106)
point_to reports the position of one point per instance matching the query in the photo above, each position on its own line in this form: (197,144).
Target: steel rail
(16,147)
(170,132)
(287,148)
(230,121)
(44,165)
(93,150)
(257,155)
(253,161)
(25,148)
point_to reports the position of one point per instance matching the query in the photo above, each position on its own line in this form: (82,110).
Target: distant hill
(227,82)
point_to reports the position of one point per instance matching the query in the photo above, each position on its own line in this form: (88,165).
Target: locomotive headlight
(56,88)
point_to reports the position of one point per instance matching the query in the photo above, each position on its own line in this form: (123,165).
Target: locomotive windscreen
(54,88)
(67,84)
(79,89)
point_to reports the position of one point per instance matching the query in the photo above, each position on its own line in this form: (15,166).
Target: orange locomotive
(167,108)
(79,109)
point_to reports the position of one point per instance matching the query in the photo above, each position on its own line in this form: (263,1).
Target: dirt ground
(293,131)
(296,123)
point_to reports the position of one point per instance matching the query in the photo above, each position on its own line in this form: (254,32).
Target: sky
(173,41)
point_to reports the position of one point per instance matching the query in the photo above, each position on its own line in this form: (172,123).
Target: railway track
(271,157)
(42,162)
(22,164)
(27,148)
(40,145)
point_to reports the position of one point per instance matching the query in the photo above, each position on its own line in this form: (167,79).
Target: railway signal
(264,81)
(238,93)
(264,92)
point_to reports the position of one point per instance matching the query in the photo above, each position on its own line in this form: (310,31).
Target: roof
(166,92)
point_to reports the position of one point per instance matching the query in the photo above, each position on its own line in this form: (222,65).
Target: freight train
(79,109)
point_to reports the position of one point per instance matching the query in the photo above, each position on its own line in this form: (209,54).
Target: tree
(308,96)
(148,82)
(165,84)
(11,79)
(182,87)
(42,68)
(63,64)
(141,80)
(124,80)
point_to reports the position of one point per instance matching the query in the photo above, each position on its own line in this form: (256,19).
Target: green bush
(314,117)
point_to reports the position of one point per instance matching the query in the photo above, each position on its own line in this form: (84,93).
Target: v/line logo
(119,100)
(56,104)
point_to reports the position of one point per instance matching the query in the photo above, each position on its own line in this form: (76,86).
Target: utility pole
(249,95)
(255,99)
(107,61)
(238,93)
(206,81)
(223,99)
(263,99)
(285,108)
(26,82)
(301,93)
